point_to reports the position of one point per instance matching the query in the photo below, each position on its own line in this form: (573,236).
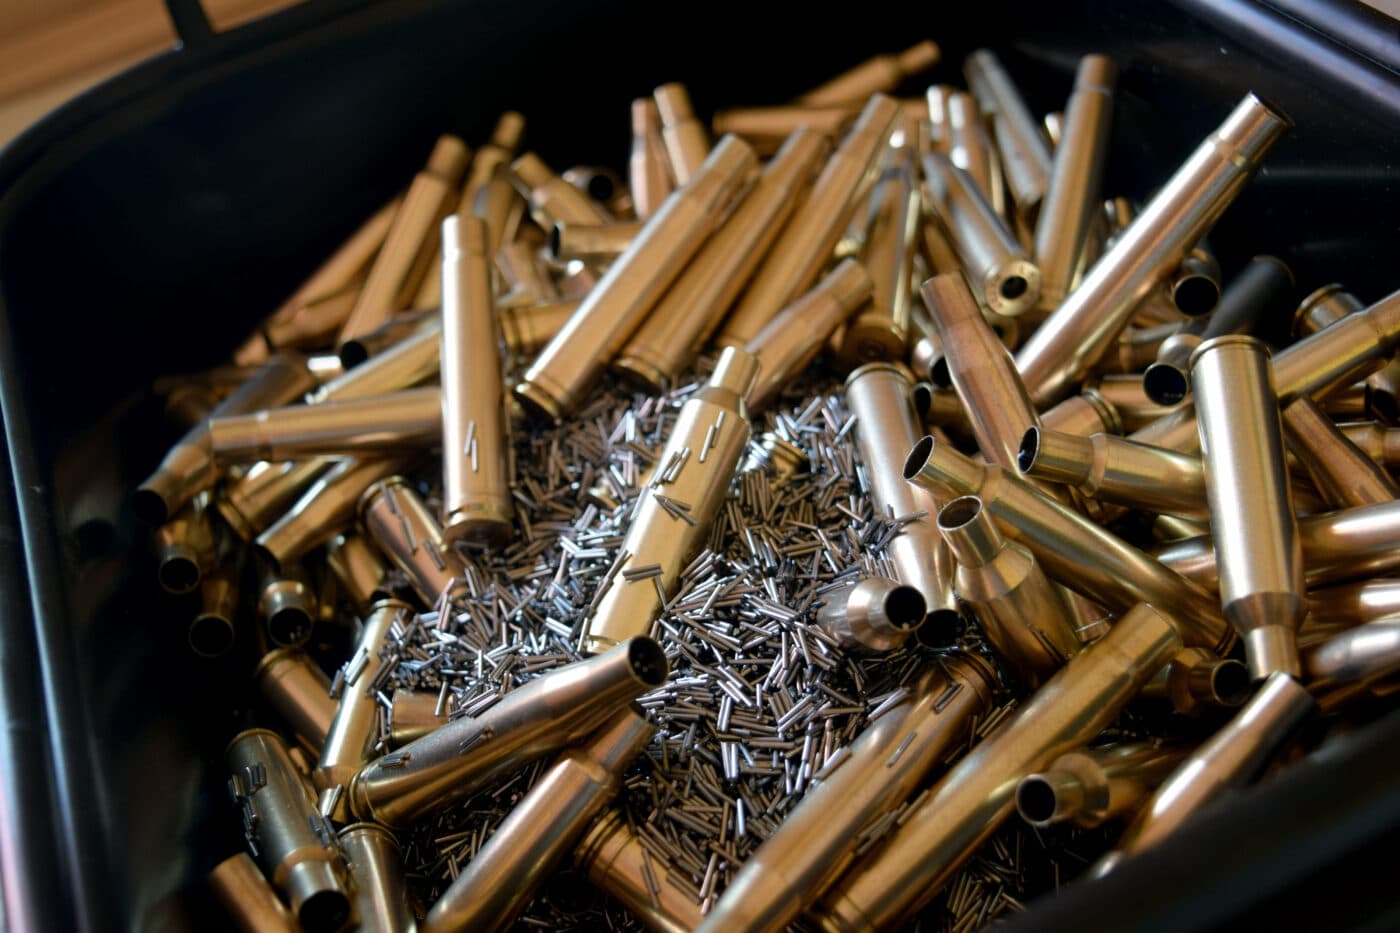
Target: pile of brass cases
(853,515)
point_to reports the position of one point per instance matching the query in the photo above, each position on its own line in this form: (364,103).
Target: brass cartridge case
(491,157)
(878,74)
(324,510)
(500,207)
(413,714)
(412,241)
(1072,200)
(765,128)
(355,426)
(686,316)
(1137,410)
(1341,472)
(1115,469)
(1073,550)
(878,396)
(410,362)
(256,499)
(1251,504)
(1230,758)
(787,344)
(250,901)
(299,692)
(550,197)
(188,468)
(212,630)
(541,831)
(354,731)
(614,861)
(970,149)
(1086,324)
(392,332)
(925,348)
(936,100)
(360,569)
(882,331)
(591,242)
(807,240)
(603,185)
(556,382)
(475,426)
(1260,289)
(291,841)
(687,143)
(648,167)
(1361,654)
(816,842)
(287,605)
(875,615)
(1024,150)
(314,323)
(406,532)
(376,872)
(1082,415)
(551,712)
(1334,609)
(1023,615)
(1094,785)
(529,328)
(981,370)
(524,280)
(1197,679)
(1322,307)
(185,548)
(674,511)
(1380,443)
(973,798)
(996,265)
(1137,347)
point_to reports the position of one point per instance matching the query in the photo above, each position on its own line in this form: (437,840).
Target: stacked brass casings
(880,73)
(687,315)
(551,712)
(1093,785)
(648,169)
(978,793)
(299,692)
(409,362)
(391,333)
(874,615)
(806,242)
(674,510)
(541,831)
(1233,756)
(878,396)
(411,242)
(1251,505)
(476,506)
(1023,615)
(613,859)
(1115,469)
(687,143)
(1072,339)
(884,765)
(291,840)
(613,311)
(1025,153)
(406,532)
(409,418)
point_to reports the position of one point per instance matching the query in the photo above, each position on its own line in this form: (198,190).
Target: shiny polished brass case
(413,714)
(376,871)
(299,692)
(614,861)
(1023,615)
(359,568)
(185,548)
(878,396)
(1230,758)
(1086,324)
(1251,503)
(395,330)
(674,510)
(687,143)
(789,343)
(875,615)
(249,900)
(973,798)
(1072,200)
(877,74)
(998,267)
(648,167)
(1365,653)
(806,242)
(496,153)
(1074,551)
(406,532)
(765,128)
(553,711)
(476,500)
(409,362)
(591,242)
(1197,680)
(287,604)
(556,382)
(529,328)
(550,197)
(1334,609)
(412,241)
(354,731)
(1093,785)
(687,315)
(541,830)
(815,843)
(1115,469)
(1341,472)
(324,509)
(1137,410)
(412,417)
(212,631)
(970,148)
(291,841)
(1024,150)
(1083,414)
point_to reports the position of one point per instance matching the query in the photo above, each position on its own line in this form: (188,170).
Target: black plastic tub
(145,226)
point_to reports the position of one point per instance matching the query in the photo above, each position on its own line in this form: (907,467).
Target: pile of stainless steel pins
(679,631)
